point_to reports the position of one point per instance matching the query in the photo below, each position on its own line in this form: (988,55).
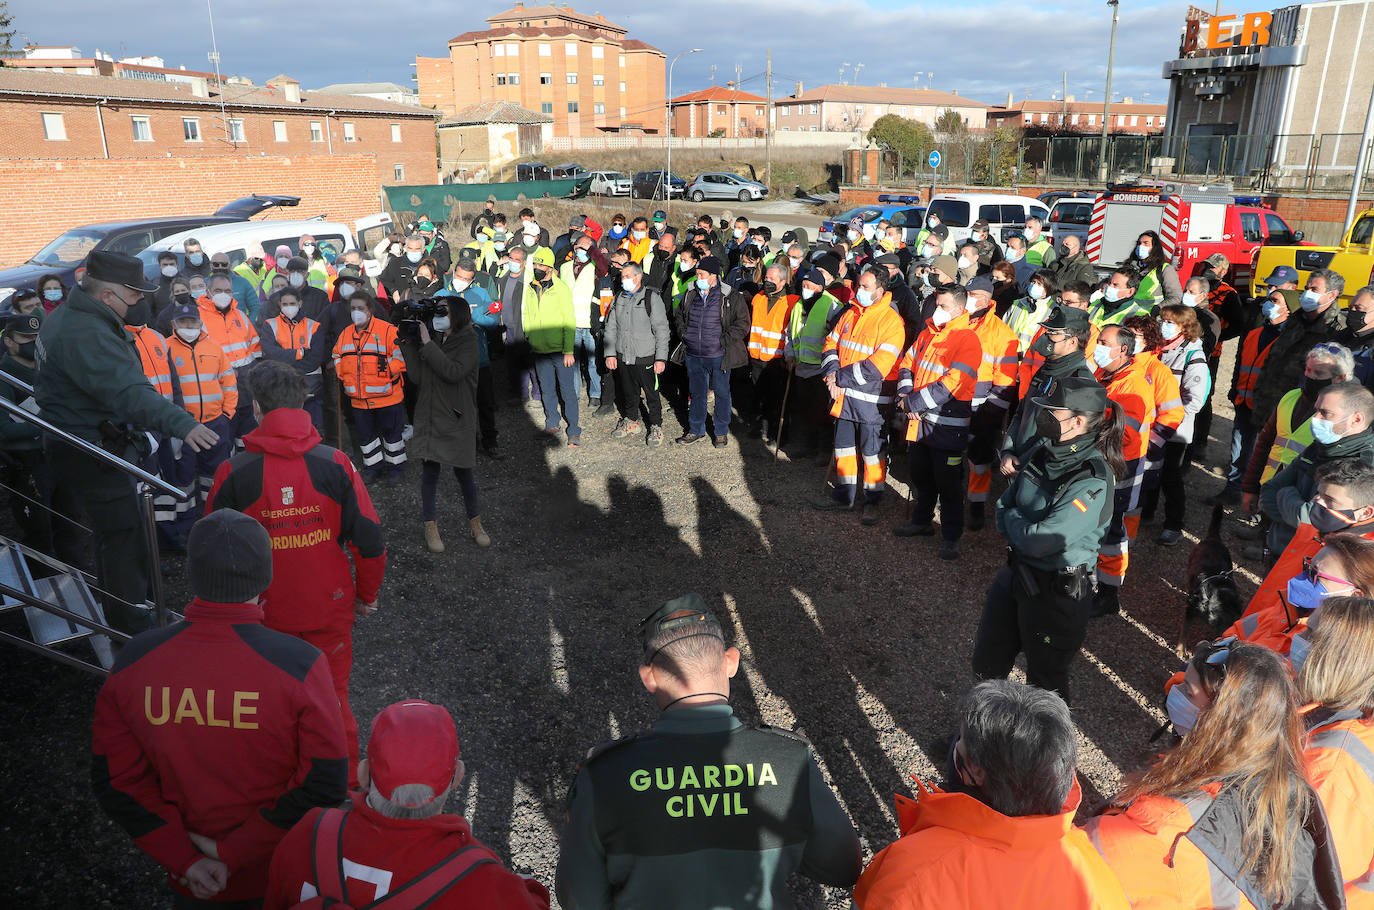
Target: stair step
(72,595)
(14,572)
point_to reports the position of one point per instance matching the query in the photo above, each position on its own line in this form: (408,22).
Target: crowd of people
(1004,374)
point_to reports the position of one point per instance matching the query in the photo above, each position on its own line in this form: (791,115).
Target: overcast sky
(981,50)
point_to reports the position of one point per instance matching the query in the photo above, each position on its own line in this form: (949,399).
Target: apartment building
(846,108)
(719,111)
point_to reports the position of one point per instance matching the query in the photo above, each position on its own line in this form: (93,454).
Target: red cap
(412,742)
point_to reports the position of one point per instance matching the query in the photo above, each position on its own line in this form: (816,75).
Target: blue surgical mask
(53,294)
(703,285)
(1142,251)
(581,254)
(1102,355)
(1310,301)
(1111,294)
(1183,713)
(1298,650)
(1272,310)
(864,297)
(1306,594)
(1036,292)
(1169,330)
(1324,431)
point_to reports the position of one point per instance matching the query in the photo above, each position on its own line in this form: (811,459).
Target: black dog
(1212,594)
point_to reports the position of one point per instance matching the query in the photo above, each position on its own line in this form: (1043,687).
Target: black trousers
(486,407)
(115,517)
(937,475)
(634,378)
(769,378)
(1032,612)
(1202,423)
(1171,486)
(330,394)
(810,410)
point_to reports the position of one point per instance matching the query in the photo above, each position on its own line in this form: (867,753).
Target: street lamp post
(668,130)
(1107,96)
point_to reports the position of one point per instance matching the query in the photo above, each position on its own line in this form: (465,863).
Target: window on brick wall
(598,108)
(622,88)
(572,78)
(498,50)
(598,79)
(784,111)
(236,131)
(622,113)
(143,129)
(572,107)
(316,134)
(399,170)
(815,109)
(279,130)
(546,78)
(598,52)
(546,107)
(501,79)
(512,78)
(570,48)
(190,129)
(349,135)
(395,132)
(54,128)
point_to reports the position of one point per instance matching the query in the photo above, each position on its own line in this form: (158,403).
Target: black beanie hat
(229,556)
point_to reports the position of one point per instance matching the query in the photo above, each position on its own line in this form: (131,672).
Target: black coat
(735,319)
(444,373)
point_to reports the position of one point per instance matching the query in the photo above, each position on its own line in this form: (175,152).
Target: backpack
(326,849)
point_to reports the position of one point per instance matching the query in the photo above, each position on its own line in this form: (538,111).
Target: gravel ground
(856,638)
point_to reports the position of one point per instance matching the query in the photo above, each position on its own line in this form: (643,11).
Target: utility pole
(668,130)
(768,124)
(1107,98)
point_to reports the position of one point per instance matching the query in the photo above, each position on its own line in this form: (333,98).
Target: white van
(235,239)
(1006,213)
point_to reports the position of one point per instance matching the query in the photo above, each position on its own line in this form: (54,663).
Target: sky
(981,50)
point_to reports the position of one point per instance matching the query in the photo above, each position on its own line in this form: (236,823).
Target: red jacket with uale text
(313,503)
(383,854)
(218,726)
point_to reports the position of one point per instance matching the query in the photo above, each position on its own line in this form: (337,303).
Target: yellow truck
(1353,259)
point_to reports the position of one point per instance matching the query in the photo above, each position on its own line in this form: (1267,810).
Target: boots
(433,542)
(478,535)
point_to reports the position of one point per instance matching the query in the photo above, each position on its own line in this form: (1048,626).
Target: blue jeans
(704,373)
(586,349)
(557,381)
(1242,444)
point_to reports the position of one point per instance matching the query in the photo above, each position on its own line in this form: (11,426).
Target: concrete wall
(830,143)
(44,198)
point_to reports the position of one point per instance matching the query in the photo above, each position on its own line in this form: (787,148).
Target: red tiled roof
(874,94)
(717,93)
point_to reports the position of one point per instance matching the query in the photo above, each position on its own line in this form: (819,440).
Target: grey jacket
(637,327)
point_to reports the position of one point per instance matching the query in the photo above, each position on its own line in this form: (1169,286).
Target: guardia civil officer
(1053,516)
(700,811)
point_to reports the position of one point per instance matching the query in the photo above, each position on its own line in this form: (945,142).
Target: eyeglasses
(1217,653)
(1310,570)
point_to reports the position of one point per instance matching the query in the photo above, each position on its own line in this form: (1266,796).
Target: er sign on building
(1248,30)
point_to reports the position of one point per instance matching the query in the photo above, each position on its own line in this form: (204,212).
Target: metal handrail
(91,449)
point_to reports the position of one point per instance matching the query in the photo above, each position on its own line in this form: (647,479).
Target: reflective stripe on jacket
(152,351)
(208,385)
(860,351)
(1340,765)
(767,323)
(370,365)
(939,376)
(232,331)
(1289,441)
(997,367)
(1252,358)
(1024,317)
(1130,388)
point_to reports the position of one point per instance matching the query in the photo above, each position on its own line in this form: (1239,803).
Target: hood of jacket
(284,432)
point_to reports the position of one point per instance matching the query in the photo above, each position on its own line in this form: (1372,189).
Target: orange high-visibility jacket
(997,369)
(860,351)
(232,331)
(1252,358)
(1340,767)
(766,325)
(939,376)
(152,352)
(292,336)
(1131,389)
(370,365)
(956,852)
(208,385)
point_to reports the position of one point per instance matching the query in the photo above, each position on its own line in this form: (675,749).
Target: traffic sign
(934,160)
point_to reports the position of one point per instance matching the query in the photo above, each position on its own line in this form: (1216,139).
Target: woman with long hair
(53,291)
(1226,818)
(1182,353)
(1336,679)
(1159,284)
(1053,515)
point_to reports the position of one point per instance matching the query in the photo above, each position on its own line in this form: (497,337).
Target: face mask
(940,317)
(1063,249)
(1014,255)
(360,317)
(52,294)
(499,246)
(770,288)
(195,258)
(1169,330)
(1183,713)
(1311,388)
(255,264)
(703,286)
(639,235)
(739,233)
(864,297)
(295,279)
(1310,301)
(1190,300)
(188,335)
(1298,650)
(965,262)
(1272,310)
(139,313)
(1102,355)
(687,268)
(1328,520)
(442,323)
(513,267)
(618,230)
(197,293)
(308,249)
(460,285)
(807,293)
(853,235)
(1111,294)
(1306,594)
(629,286)
(169,271)
(1036,292)
(1048,426)
(27,350)
(580,255)
(290,311)
(1142,251)
(1043,346)
(1355,321)
(932,251)
(415,255)
(222,301)
(1324,431)
(979,236)
(932,223)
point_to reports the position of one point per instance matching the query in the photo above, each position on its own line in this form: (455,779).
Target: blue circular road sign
(933,160)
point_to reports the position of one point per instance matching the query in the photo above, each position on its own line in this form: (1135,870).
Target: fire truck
(1193,223)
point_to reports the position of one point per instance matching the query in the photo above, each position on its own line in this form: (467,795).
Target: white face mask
(308,249)
(941,316)
(932,222)
(629,286)
(795,260)
(415,255)
(290,311)
(360,317)
(346,290)
(169,271)
(460,285)
(1102,355)
(1014,255)
(499,246)
(295,279)
(932,251)
(808,293)
(1111,294)
(1169,330)
(188,335)
(1190,300)
(639,235)
(282,262)
(1142,251)
(222,300)
(739,233)
(965,262)
(442,323)
(195,258)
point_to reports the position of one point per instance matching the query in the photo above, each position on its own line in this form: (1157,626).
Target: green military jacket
(90,372)
(1056,511)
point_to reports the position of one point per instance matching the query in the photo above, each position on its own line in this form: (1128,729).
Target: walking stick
(782,415)
(338,414)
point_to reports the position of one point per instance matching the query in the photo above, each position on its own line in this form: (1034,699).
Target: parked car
(234,240)
(1070,216)
(1053,196)
(1352,258)
(66,255)
(654,185)
(569,172)
(724,185)
(1006,213)
(533,171)
(609,183)
(902,211)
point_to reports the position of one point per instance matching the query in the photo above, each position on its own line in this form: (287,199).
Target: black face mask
(255,264)
(1043,346)
(28,350)
(1355,321)
(1048,426)
(1311,388)
(1328,520)
(770,288)
(137,315)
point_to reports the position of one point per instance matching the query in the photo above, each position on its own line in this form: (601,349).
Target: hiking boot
(914,528)
(622,429)
(950,550)
(869,517)
(575,441)
(720,442)
(606,408)
(655,437)
(977,516)
(593,402)
(1107,601)
(479,535)
(433,542)
(1169,538)
(828,504)
(687,439)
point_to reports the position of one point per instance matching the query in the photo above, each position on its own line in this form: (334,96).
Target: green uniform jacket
(1057,508)
(18,435)
(548,318)
(89,372)
(1021,431)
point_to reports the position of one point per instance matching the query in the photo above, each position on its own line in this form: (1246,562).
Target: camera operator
(442,365)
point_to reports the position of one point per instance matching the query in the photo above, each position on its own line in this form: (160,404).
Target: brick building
(52,115)
(476,142)
(719,111)
(579,69)
(845,108)
(1071,116)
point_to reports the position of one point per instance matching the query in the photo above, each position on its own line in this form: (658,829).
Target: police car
(906,212)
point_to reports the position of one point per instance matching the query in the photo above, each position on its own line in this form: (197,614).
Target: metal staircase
(60,603)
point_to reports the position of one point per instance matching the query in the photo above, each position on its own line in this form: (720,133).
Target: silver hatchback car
(724,185)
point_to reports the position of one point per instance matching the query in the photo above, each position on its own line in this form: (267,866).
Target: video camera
(409,314)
